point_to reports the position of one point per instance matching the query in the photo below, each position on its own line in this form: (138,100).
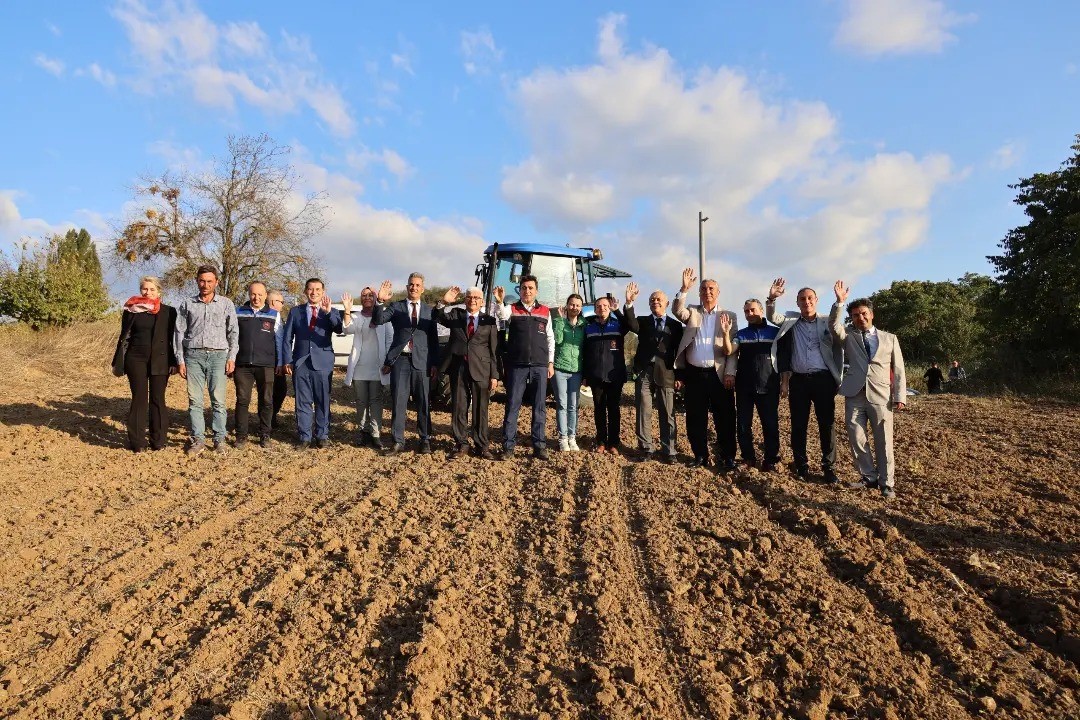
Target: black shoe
(726,466)
(702,462)
(667,459)
(320,443)
(768,467)
(888,494)
(375,443)
(802,472)
(303,445)
(264,441)
(750,462)
(864,483)
(396,449)
(240,443)
(540,453)
(829,477)
(508,453)
(646,456)
(425,448)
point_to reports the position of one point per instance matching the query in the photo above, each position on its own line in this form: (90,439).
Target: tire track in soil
(970,648)
(637,667)
(188,552)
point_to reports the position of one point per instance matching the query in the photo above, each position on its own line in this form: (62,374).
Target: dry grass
(65,356)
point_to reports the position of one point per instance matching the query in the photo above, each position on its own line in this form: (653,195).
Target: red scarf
(138,304)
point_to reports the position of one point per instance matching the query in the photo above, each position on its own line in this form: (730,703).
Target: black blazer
(651,345)
(162,355)
(481,349)
(425,337)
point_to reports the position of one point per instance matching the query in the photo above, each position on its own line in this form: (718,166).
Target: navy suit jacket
(300,342)
(425,336)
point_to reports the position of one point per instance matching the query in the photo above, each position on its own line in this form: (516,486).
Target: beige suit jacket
(690,315)
(882,376)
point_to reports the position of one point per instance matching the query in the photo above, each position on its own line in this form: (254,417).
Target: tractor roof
(541,248)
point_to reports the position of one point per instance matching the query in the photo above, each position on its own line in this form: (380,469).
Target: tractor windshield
(557,276)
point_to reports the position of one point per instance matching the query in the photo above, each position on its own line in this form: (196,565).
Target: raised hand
(386,291)
(689,277)
(346,303)
(777,288)
(631,293)
(841,291)
(562,311)
(326,303)
(451,295)
(499,293)
(725,322)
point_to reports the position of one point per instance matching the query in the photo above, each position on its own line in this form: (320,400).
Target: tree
(936,321)
(55,285)
(1037,306)
(243,216)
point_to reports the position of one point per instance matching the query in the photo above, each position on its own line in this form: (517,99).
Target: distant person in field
(413,357)
(956,372)
(256,362)
(569,329)
(658,336)
(809,361)
(933,378)
(603,369)
(308,355)
(530,358)
(757,384)
(874,385)
(206,343)
(144,352)
(276,301)
(471,368)
(366,374)
(708,374)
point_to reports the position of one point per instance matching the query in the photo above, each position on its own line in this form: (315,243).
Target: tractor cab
(560,271)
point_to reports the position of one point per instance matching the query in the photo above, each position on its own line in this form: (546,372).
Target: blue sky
(868,140)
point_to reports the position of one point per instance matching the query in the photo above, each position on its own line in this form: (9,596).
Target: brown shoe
(600,450)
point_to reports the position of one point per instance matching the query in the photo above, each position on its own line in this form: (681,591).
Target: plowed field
(341,583)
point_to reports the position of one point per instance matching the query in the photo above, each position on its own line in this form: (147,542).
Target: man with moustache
(708,374)
(809,362)
(471,368)
(659,335)
(757,384)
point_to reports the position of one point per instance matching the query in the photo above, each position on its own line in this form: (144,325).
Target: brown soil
(341,583)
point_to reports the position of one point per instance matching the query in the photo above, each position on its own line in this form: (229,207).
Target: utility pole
(701,244)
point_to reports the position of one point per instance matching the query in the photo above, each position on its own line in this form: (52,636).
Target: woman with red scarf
(145,354)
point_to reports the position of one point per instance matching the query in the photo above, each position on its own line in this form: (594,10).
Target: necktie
(866,343)
(413,305)
(472,326)
(314,317)
(659,325)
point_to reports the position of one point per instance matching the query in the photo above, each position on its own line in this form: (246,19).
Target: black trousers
(281,391)
(263,379)
(606,398)
(706,395)
(147,401)
(768,410)
(465,391)
(818,389)
(405,380)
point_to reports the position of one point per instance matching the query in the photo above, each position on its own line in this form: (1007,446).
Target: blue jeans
(206,371)
(567,389)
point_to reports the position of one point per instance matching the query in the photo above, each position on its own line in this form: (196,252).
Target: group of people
(724,372)
(935,379)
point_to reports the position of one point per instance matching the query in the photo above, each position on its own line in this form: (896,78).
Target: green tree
(1037,298)
(55,285)
(243,216)
(936,320)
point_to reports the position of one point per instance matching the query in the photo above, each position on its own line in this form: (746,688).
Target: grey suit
(871,387)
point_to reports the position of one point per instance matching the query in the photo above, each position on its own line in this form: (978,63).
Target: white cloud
(480,53)
(362,160)
(879,27)
(15,228)
(626,151)
(54,29)
(98,73)
(53,66)
(1007,156)
(179,48)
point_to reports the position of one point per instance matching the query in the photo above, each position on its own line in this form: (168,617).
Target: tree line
(243,215)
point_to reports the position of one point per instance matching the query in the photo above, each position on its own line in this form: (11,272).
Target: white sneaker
(572,443)
(564,446)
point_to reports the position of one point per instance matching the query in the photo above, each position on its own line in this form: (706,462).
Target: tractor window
(507,274)
(557,276)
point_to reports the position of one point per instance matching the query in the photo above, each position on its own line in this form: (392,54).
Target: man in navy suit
(309,357)
(412,359)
